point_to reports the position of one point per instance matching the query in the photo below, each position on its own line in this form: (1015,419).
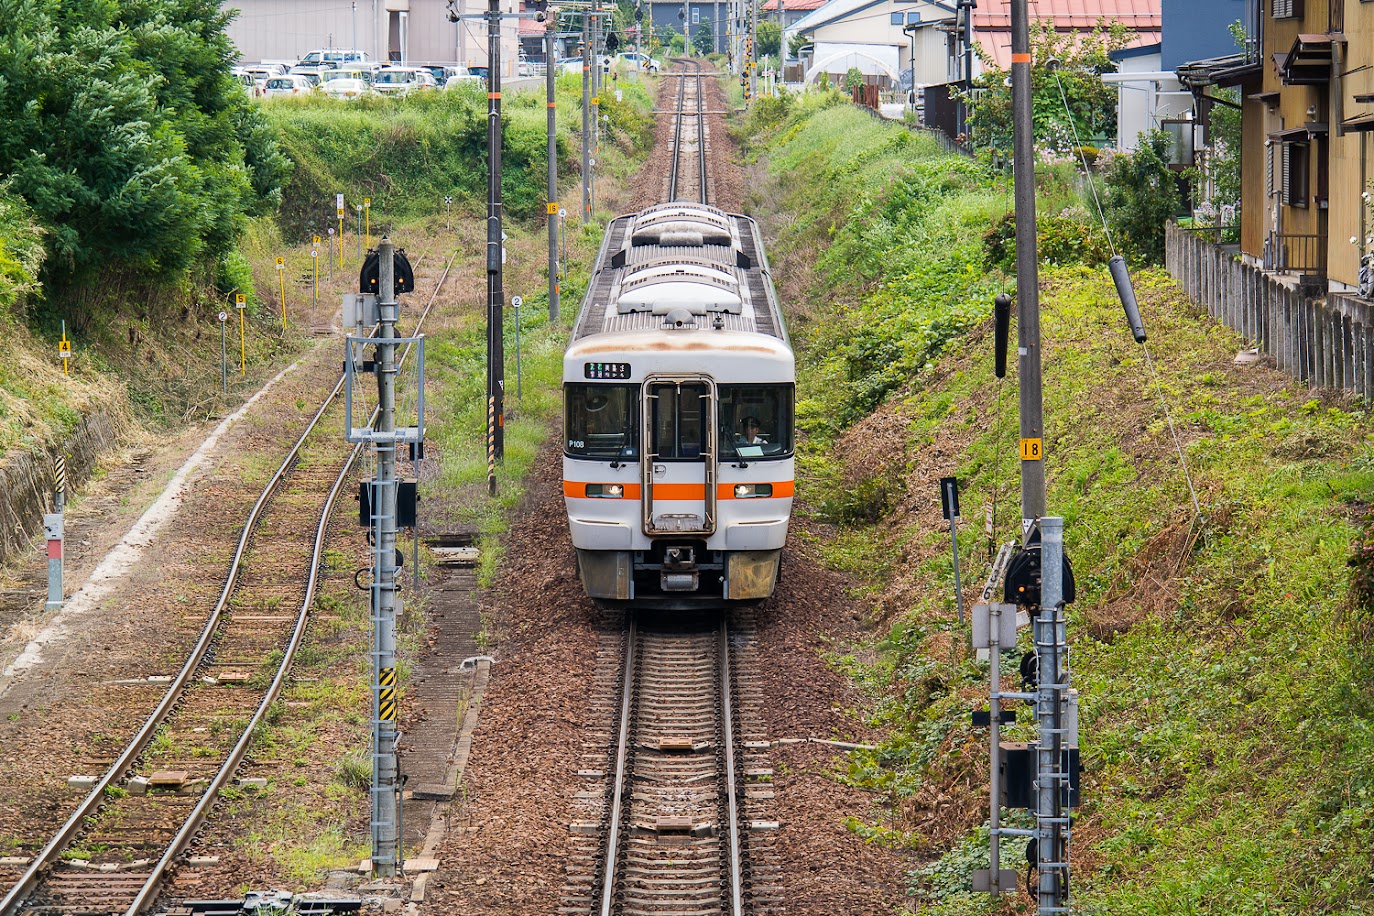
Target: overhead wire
(1149,360)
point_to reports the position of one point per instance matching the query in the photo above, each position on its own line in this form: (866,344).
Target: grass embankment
(407,156)
(1227,716)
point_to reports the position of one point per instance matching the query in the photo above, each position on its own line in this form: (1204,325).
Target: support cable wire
(1149,361)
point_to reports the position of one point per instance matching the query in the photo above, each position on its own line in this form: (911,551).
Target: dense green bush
(1082,59)
(126,135)
(1070,236)
(21,251)
(1141,195)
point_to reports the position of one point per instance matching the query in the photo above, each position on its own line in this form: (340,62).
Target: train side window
(756,421)
(601,421)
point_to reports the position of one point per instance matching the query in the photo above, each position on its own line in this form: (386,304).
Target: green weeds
(1227,717)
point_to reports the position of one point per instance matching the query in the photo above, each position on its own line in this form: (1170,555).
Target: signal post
(383,510)
(1038,577)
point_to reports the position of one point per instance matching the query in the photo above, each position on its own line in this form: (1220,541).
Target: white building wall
(868,30)
(1145,97)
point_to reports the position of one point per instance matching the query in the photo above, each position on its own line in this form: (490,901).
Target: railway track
(687,177)
(678,811)
(113,854)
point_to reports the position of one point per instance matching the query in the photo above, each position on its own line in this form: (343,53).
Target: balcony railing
(1295,253)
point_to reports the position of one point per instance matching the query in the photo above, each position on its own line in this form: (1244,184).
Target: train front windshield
(756,421)
(602,421)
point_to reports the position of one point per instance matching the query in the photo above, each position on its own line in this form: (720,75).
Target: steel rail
(197,816)
(728,727)
(138,744)
(701,139)
(618,787)
(677,138)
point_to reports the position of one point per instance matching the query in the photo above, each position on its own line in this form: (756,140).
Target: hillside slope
(1227,718)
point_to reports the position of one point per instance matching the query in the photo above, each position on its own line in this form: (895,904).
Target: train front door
(678,467)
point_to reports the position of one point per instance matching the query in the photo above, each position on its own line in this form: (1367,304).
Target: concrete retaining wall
(26,478)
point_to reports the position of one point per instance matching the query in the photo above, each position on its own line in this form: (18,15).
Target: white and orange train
(678,385)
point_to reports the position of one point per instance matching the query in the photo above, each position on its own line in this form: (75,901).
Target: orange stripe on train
(681,491)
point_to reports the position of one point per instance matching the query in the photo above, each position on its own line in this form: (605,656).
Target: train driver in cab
(751,434)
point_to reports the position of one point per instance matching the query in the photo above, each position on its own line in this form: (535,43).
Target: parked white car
(346,88)
(261,73)
(293,84)
(334,59)
(245,79)
(399,81)
(465,78)
(633,60)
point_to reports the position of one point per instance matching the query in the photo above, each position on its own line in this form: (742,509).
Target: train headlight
(751,490)
(605,490)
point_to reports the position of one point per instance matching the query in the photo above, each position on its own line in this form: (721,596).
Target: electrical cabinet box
(1018,775)
(360,309)
(407,497)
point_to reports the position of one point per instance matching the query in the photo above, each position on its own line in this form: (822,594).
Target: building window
(912,17)
(896,19)
(696,17)
(1296,160)
(1288,9)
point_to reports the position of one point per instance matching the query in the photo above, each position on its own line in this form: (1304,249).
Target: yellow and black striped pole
(53,530)
(386,695)
(491,446)
(241,303)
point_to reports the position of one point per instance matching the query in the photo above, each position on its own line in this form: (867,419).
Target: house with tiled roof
(992,21)
(787,12)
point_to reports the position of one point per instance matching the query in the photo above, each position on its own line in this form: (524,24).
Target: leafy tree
(853,79)
(127,136)
(1082,59)
(702,40)
(1141,195)
(769,37)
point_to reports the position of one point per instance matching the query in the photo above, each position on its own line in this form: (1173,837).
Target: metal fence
(939,136)
(1326,341)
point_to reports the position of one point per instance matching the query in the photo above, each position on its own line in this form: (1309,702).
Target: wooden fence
(1327,342)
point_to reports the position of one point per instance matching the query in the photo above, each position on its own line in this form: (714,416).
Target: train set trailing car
(678,387)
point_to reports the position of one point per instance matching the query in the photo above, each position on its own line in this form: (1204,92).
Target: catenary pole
(550,36)
(495,294)
(586,116)
(753,50)
(1027,273)
(596,102)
